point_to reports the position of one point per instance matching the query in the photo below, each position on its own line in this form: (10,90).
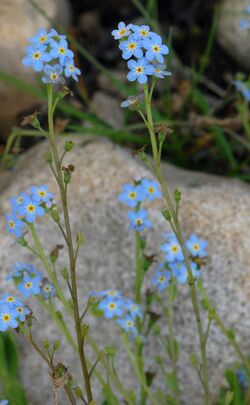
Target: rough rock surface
(108,109)
(233,39)
(215,208)
(18,21)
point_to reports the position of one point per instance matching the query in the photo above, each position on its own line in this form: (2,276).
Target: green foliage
(10,385)
(235,393)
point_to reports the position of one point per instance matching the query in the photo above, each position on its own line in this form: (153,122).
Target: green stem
(231,340)
(59,321)
(110,372)
(63,194)
(140,375)
(138,269)
(244,112)
(179,234)
(139,275)
(51,367)
(150,123)
(226,332)
(48,268)
(17,132)
(172,349)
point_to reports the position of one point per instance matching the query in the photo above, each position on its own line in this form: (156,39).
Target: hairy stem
(179,234)
(63,194)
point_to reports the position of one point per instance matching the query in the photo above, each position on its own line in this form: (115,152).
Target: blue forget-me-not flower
(139,70)
(161,278)
(147,47)
(49,53)
(139,220)
(196,246)
(172,250)
(122,31)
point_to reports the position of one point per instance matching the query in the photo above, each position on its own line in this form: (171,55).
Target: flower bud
(68,146)
(166,214)
(48,157)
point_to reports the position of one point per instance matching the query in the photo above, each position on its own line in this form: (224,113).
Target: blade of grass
(37,92)
(210,42)
(152,8)
(223,146)
(113,134)
(146,15)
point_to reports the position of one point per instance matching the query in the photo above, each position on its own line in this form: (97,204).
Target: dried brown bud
(29,119)
(163,129)
(138,151)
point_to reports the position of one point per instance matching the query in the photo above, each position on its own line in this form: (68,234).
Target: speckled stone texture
(232,38)
(215,208)
(19,20)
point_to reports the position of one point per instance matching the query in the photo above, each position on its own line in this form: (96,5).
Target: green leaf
(229,397)
(224,146)
(9,371)
(171,382)
(172,291)
(173,349)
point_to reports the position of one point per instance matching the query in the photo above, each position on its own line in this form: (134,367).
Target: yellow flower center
(122,31)
(19,309)
(36,55)
(144,33)
(54,76)
(139,221)
(132,195)
(157,70)
(156,48)
(130,324)
(112,305)
(42,193)
(132,46)
(43,38)
(196,247)
(139,69)
(6,317)
(20,200)
(151,189)
(174,248)
(112,293)
(12,224)
(62,51)
(10,299)
(31,208)
(71,68)
(28,285)
(161,279)
(47,288)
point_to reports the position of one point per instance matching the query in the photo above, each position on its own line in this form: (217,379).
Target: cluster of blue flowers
(245,22)
(26,207)
(12,311)
(146,46)
(29,281)
(174,266)
(49,52)
(133,195)
(124,310)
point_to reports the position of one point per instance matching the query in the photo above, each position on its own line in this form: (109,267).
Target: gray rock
(232,38)
(18,21)
(108,109)
(215,208)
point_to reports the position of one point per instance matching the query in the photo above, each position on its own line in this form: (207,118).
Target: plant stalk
(63,194)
